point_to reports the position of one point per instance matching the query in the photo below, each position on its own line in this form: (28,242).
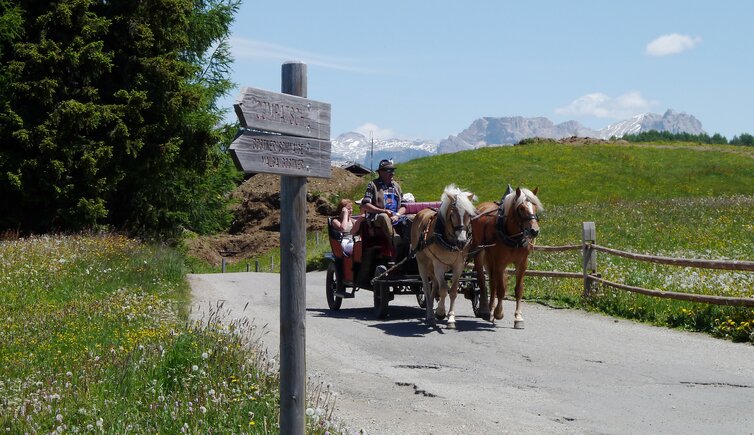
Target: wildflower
(59,418)
(203,410)
(194,367)
(309,412)
(205,355)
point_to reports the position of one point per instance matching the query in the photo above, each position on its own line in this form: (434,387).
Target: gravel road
(569,371)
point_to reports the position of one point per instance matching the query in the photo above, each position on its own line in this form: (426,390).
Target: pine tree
(108,115)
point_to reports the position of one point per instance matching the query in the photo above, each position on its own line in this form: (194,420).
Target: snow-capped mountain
(487,131)
(671,121)
(355,147)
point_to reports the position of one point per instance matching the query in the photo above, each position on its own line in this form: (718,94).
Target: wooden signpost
(284,134)
(289,135)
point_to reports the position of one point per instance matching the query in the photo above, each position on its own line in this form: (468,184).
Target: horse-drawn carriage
(367,267)
(436,245)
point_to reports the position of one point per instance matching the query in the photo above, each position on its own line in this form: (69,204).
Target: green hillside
(689,201)
(574,174)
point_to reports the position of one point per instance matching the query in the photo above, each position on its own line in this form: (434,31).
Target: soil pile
(256,225)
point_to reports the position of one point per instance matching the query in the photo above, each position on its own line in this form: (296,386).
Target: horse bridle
(522,238)
(440,237)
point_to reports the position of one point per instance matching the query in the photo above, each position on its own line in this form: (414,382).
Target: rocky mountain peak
(491,131)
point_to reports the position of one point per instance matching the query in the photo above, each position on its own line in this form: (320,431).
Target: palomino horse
(441,242)
(505,234)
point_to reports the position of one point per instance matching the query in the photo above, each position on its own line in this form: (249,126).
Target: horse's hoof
(452,325)
(518,324)
(498,316)
(440,316)
(431,323)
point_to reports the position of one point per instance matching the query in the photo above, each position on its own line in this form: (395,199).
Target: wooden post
(316,238)
(222,264)
(272,259)
(256,265)
(293,280)
(248,267)
(589,236)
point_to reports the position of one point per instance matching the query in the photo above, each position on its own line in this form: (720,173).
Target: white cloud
(372,130)
(672,44)
(243,48)
(603,106)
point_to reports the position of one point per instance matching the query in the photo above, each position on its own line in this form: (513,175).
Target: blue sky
(427,69)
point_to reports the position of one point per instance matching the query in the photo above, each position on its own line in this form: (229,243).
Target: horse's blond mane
(525,194)
(462,200)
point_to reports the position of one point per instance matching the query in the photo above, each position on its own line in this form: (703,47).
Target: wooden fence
(589,249)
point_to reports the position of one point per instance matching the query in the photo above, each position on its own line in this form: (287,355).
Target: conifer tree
(108,114)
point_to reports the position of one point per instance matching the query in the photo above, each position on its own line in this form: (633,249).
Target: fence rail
(688,262)
(590,275)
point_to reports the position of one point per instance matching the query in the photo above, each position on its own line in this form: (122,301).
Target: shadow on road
(404,321)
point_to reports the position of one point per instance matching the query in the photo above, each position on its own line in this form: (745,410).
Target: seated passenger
(382,202)
(346,224)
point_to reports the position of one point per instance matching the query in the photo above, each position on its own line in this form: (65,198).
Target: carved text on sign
(279,146)
(256,152)
(280,112)
(262,110)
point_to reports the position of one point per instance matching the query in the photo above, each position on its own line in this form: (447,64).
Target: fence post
(589,236)
(256,265)
(316,238)
(272,263)
(222,264)
(248,267)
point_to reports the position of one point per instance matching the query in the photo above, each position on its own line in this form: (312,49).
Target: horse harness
(438,236)
(520,239)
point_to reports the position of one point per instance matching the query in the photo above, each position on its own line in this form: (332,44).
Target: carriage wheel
(381,295)
(331,286)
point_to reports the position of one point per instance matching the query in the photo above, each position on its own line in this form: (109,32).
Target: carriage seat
(416,207)
(335,237)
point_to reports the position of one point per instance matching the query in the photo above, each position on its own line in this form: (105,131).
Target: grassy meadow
(681,200)
(95,338)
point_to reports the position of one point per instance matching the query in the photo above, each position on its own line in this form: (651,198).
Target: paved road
(568,372)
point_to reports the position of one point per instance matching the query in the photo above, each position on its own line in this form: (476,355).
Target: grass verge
(95,338)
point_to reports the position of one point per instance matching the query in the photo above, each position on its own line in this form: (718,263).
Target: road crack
(715,384)
(417,390)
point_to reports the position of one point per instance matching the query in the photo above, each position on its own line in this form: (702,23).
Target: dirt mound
(576,140)
(573,140)
(256,224)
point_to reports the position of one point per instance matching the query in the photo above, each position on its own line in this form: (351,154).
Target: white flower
(309,412)
(194,367)
(203,409)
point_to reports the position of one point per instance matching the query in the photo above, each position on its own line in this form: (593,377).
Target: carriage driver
(382,202)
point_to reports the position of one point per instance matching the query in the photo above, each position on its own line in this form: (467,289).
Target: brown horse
(505,234)
(441,242)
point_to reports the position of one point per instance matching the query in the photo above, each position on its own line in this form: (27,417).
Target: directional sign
(283,113)
(257,152)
